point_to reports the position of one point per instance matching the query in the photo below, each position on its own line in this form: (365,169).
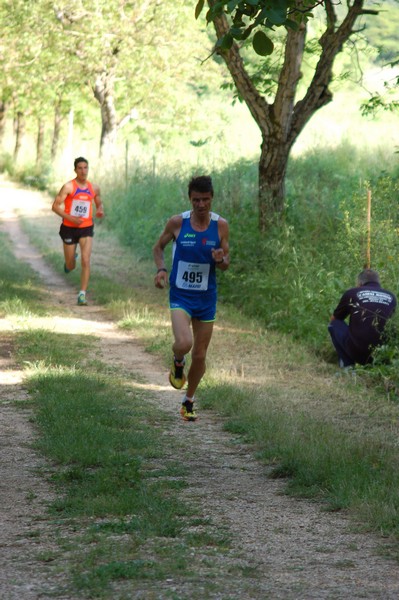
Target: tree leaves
(252,16)
(198,8)
(262,44)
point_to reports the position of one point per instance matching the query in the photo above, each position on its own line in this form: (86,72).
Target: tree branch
(332,41)
(290,75)
(258,107)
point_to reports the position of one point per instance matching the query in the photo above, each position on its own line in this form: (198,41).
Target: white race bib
(80,208)
(192,276)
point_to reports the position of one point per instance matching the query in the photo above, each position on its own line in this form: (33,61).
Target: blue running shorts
(197,306)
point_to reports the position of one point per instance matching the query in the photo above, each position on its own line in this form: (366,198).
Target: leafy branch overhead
(279,113)
(253,16)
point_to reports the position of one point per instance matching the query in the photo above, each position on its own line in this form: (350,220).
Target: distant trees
(270,91)
(387,47)
(119,56)
(110,43)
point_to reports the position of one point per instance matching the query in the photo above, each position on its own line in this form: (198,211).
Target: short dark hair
(203,184)
(368,276)
(78,160)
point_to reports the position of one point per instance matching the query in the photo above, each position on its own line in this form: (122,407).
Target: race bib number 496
(192,276)
(80,208)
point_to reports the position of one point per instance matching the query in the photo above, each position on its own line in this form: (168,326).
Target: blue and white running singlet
(193,268)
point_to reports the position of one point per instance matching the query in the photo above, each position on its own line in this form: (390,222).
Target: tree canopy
(252,18)
(271,93)
(118,55)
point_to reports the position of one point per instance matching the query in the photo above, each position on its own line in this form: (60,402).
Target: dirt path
(298,551)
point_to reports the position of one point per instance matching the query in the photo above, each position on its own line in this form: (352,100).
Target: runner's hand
(76,220)
(217,255)
(161,279)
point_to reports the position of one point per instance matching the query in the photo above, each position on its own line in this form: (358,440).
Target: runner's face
(81,171)
(201,202)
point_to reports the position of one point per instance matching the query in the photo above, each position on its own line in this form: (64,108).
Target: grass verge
(118,515)
(333,437)
(345,470)
(118,483)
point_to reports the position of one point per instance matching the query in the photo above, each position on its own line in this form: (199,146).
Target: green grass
(20,292)
(103,438)
(346,470)
(332,439)
(292,278)
(117,513)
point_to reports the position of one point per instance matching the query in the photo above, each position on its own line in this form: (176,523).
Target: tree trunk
(19,128)
(39,142)
(3,113)
(56,130)
(271,172)
(104,93)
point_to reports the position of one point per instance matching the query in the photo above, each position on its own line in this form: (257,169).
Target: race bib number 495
(192,276)
(80,208)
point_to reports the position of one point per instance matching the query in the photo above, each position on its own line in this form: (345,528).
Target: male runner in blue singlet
(200,245)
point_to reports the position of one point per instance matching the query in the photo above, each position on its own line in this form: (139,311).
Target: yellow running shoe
(187,411)
(176,376)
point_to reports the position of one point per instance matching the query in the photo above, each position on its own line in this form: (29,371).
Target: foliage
(347,458)
(256,15)
(345,469)
(292,278)
(387,22)
(378,101)
(300,271)
(116,56)
(19,293)
(281,116)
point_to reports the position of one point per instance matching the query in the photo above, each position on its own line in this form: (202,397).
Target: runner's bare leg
(181,332)
(86,245)
(69,255)
(202,337)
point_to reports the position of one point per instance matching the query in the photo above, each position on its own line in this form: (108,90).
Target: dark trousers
(339,332)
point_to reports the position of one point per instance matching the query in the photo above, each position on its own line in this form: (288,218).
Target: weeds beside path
(276,547)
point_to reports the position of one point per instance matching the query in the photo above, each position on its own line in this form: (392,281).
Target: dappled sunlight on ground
(68,325)
(150,387)
(225,483)
(11,377)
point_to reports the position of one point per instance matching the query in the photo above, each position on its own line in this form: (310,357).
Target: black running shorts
(72,235)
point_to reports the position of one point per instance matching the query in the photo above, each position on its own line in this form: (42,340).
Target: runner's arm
(58,204)
(98,202)
(221,255)
(170,233)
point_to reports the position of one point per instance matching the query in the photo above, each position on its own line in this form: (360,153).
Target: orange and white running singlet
(80,204)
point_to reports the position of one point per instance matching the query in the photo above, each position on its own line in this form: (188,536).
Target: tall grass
(20,290)
(349,462)
(347,471)
(292,277)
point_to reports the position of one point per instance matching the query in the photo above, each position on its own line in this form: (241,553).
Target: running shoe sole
(176,383)
(188,416)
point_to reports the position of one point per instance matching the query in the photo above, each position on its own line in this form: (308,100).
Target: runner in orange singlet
(74,204)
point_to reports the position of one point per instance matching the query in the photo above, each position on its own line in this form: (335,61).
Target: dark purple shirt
(368,308)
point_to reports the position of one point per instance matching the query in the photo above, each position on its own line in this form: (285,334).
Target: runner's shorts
(197,306)
(72,235)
